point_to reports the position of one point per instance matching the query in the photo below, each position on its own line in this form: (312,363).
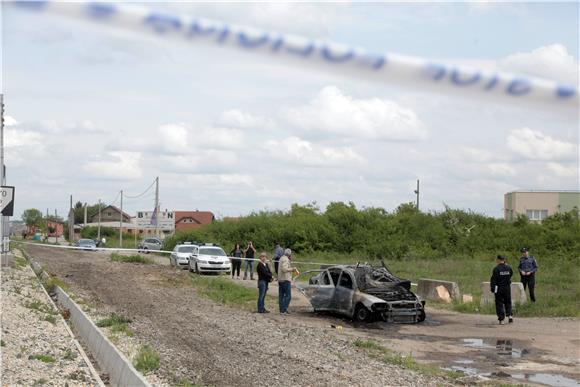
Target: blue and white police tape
(354,61)
(113,249)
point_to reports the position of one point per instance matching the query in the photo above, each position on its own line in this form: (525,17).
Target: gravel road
(36,346)
(210,344)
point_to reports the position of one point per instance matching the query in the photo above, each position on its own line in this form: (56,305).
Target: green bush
(135,258)
(92,232)
(402,234)
(146,360)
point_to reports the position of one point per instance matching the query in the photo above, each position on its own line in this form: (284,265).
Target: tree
(32,217)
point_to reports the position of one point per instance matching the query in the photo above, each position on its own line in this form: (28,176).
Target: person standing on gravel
(264,278)
(500,283)
(236,255)
(285,271)
(528,268)
(250,253)
(278,253)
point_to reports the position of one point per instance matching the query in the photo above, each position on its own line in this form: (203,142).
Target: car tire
(422,316)
(362,314)
(145,250)
(196,269)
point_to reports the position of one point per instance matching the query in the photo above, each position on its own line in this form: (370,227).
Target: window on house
(537,214)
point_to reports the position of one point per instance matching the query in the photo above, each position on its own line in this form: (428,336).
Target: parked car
(363,293)
(209,259)
(149,244)
(86,244)
(181,254)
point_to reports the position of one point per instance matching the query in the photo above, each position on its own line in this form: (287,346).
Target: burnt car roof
(369,277)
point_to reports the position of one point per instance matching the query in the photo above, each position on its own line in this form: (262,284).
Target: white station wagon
(181,254)
(209,259)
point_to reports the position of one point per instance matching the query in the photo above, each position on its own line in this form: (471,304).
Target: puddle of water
(504,347)
(548,379)
(475,343)
(463,361)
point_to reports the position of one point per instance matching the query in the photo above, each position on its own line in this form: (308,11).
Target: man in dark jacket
(264,278)
(500,283)
(527,268)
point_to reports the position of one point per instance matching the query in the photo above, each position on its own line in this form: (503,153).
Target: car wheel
(362,314)
(145,250)
(422,316)
(196,269)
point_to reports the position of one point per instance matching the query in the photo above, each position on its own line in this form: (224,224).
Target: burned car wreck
(363,293)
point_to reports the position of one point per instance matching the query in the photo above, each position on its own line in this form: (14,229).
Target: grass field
(557,292)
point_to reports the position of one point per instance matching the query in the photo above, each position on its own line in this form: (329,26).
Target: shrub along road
(203,342)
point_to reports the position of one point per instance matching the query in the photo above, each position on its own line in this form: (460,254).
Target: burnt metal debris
(363,293)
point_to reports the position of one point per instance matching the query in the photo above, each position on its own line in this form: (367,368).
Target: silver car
(149,244)
(181,255)
(363,293)
(86,244)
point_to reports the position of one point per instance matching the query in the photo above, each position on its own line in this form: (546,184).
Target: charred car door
(344,294)
(320,292)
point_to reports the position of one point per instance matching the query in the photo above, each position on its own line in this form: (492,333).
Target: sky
(93,110)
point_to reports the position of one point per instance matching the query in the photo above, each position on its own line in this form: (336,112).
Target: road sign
(7,200)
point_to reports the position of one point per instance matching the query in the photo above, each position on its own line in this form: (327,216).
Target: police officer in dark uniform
(528,268)
(501,279)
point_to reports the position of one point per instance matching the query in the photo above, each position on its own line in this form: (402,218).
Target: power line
(141,194)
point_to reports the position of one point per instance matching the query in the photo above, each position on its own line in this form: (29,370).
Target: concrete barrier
(426,289)
(113,362)
(517,290)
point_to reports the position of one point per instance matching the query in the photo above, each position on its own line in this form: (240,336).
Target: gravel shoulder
(205,343)
(36,346)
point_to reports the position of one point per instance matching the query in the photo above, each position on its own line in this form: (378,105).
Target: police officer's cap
(524,249)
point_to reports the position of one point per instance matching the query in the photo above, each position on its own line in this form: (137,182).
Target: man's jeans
(284,295)
(262,290)
(249,267)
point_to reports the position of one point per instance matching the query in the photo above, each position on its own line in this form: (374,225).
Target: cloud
(10,121)
(116,165)
(333,112)
(533,145)
(239,119)
(298,151)
(563,170)
(205,161)
(22,138)
(173,138)
(552,61)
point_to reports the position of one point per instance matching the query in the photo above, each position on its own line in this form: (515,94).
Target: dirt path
(214,345)
(211,344)
(543,350)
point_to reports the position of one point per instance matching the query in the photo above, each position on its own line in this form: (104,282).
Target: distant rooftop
(545,190)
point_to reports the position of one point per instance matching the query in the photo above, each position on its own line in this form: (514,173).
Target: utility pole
(85,218)
(46,222)
(99,224)
(71,222)
(121,223)
(2,173)
(157,206)
(417,192)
